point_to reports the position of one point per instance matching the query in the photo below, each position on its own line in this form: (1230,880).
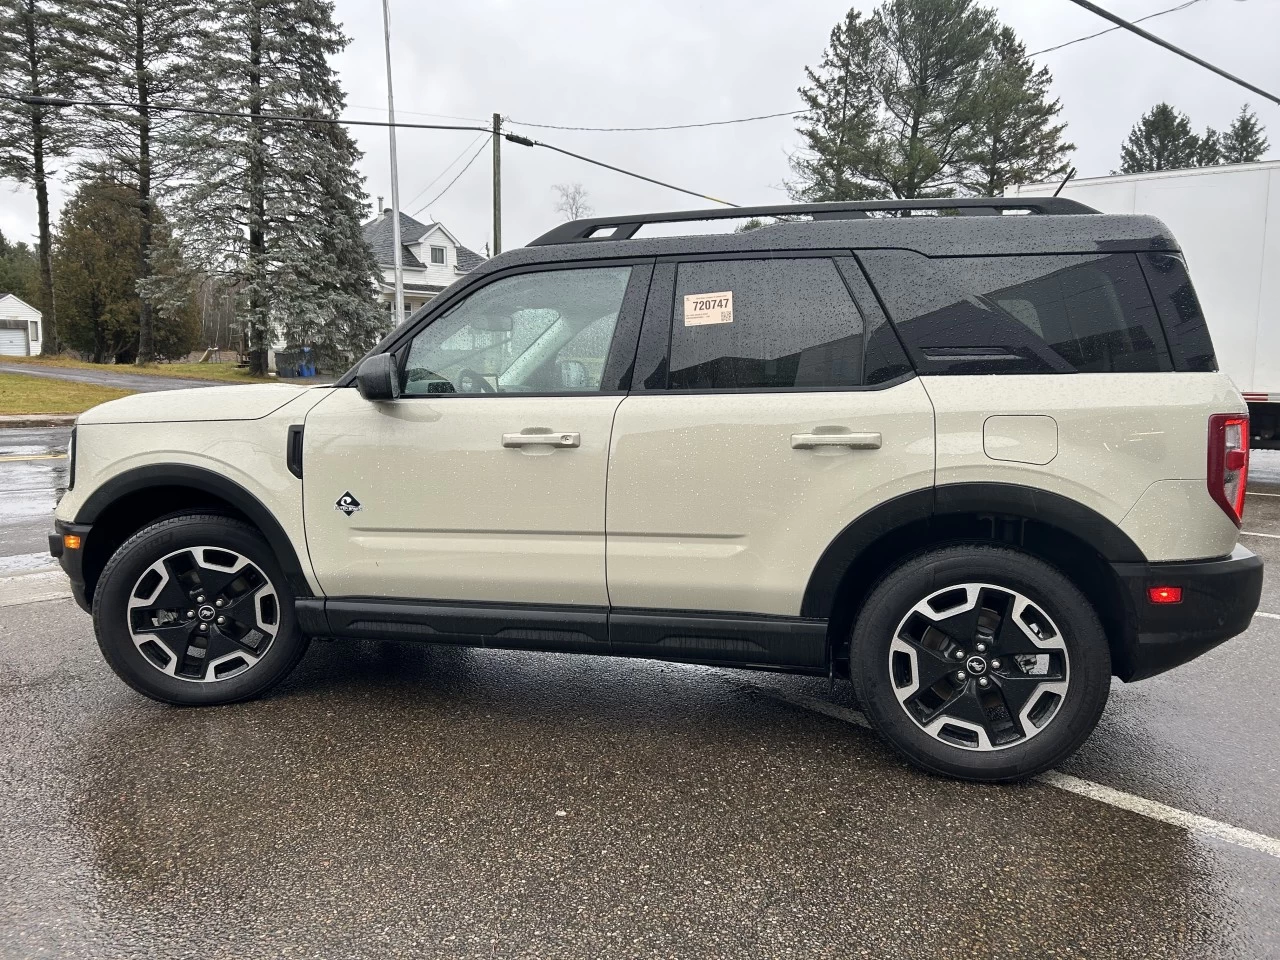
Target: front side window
(437,255)
(531,333)
(764,324)
(1077,313)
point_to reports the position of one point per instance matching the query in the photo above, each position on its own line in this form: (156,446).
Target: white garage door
(13,343)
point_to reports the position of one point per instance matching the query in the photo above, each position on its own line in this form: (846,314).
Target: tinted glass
(1089,313)
(1184,322)
(535,332)
(768,324)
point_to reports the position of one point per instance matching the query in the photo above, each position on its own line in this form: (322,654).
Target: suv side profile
(977,462)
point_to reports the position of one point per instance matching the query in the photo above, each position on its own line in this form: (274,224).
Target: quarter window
(531,333)
(763,324)
(1090,313)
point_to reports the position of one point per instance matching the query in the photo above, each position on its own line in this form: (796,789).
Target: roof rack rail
(624,228)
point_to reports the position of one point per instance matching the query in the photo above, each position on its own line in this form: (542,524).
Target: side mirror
(378,378)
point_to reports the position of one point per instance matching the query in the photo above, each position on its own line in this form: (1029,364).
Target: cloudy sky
(654,62)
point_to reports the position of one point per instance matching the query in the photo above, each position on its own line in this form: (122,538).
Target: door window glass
(764,324)
(531,333)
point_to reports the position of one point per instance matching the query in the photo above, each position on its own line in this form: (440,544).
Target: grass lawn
(225,372)
(22,394)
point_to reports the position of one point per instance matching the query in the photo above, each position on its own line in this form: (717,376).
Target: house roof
(380,236)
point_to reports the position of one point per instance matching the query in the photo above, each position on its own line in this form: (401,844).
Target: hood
(248,402)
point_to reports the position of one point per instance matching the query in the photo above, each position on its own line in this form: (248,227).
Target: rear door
(767,413)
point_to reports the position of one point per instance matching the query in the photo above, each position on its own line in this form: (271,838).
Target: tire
(195,610)
(1035,661)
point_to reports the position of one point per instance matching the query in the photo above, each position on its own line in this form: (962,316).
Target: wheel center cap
(976,666)
(206,613)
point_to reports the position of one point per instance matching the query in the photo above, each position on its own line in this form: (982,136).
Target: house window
(437,255)
(33,331)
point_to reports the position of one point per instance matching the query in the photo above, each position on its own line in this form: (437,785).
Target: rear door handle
(543,437)
(856,441)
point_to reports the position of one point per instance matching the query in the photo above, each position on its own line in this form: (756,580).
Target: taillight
(1229,462)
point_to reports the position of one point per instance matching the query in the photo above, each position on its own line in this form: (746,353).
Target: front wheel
(980,662)
(196,610)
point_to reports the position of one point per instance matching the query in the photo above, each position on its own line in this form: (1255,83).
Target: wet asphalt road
(106,377)
(404,800)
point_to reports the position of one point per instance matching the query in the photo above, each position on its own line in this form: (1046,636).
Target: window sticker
(704,308)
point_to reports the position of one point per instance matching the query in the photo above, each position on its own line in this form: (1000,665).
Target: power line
(285,118)
(428,204)
(674,126)
(526,142)
(1150,16)
(448,167)
(1120,21)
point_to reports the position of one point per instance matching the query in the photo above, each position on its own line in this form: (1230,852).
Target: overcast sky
(652,62)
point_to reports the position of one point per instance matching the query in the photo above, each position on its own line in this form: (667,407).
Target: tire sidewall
(1089,669)
(130,561)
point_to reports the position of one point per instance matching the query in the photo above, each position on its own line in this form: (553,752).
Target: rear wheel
(980,662)
(195,610)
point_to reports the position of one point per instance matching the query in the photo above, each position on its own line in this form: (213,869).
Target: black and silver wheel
(980,662)
(195,610)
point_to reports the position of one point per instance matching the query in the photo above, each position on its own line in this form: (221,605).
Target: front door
(485,481)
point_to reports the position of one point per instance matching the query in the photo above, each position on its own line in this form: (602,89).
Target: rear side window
(1184,322)
(763,324)
(1087,313)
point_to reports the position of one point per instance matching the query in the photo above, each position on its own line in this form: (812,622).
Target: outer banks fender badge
(348,504)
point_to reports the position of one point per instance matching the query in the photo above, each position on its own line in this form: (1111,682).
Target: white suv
(977,462)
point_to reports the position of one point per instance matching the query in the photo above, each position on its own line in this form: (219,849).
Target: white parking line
(1269,536)
(1259,493)
(1269,616)
(1150,809)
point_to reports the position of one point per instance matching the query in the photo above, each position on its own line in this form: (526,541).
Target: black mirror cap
(378,378)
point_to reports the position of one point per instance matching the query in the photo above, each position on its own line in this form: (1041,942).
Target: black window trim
(622,345)
(659,312)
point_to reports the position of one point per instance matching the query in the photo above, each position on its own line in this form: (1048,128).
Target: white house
(431,257)
(20,328)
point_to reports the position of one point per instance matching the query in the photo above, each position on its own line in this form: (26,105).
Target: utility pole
(497,184)
(395,174)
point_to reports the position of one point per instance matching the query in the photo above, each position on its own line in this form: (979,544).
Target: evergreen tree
(270,197)
(143,52)
(96,254)
(1244,141)
(1014,137)
(19,271)
(37,59)
(1209,148)
(925,53)
(923,98)
(842,118)
(1161,140)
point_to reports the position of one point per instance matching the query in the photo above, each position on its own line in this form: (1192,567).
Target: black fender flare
(1005,499)
(206,481)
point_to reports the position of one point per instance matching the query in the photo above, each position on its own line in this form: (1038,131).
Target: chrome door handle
(857,441)
(545,439)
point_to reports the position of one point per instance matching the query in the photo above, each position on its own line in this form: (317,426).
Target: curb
(37,420)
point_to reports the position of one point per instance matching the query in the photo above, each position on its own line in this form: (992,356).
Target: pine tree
(926,52)
(1161,140)
(143,52)
(1014,137)
(97,278)
(1244,141)
(1209,148)
(920,99)
(842,118)
(269,194)
(37,59)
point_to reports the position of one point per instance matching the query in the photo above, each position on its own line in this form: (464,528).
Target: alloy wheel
(979,666)
(203,614)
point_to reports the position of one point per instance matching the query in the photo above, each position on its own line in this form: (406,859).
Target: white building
(20,328)
(431,256)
